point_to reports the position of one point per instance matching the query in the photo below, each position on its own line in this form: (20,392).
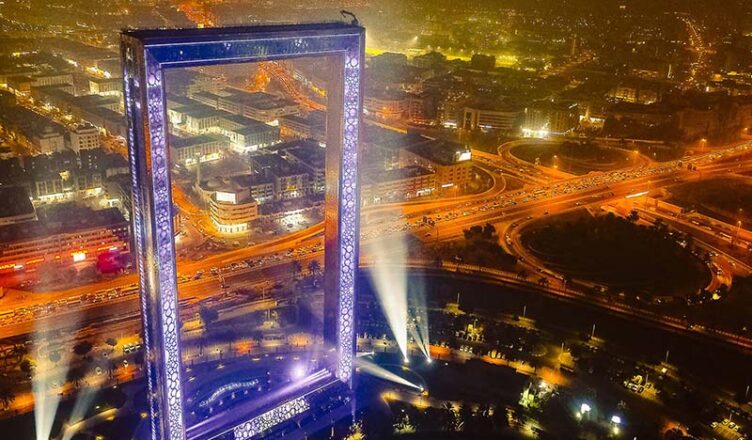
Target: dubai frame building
(146,55)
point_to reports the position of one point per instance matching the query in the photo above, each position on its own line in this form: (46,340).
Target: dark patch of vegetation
(618,253)
(480,246)
(720,198)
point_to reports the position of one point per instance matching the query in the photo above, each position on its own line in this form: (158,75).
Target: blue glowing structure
(145,55)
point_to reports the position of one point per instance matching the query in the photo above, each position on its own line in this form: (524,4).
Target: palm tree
(314,267)
(296,269)
(449,420)
(76,374)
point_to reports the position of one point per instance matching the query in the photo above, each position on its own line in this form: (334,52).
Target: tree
(296,269)
(26,366)
(449,421)
(314,267)
(466,416)
(208,316)
(76,374)
(83,348)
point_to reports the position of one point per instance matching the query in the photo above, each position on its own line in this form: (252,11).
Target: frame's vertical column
(152,225)
(349,207)
(164,249)
(133,76)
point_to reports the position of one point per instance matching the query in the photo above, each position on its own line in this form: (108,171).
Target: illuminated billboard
(226,197)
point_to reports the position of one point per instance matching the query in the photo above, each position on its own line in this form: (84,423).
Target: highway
(450,217)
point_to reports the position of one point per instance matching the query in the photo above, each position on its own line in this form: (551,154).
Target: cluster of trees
(481,246)
(482,420)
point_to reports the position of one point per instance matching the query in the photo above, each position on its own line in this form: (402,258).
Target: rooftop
(441,152)
(314,118)
(276,164)
(62,219)
(14,200)
(251,129)
(240,119)
(197,110)
(380,176)
(258,100)
(309,153)
(186,142)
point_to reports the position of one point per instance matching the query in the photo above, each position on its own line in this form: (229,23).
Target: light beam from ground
(82,405)
(364,365)
(419,322)
(390,282)
(47,400)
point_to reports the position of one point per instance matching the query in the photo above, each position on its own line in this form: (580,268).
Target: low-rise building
(449,160)
(106,86)
(15,205)
(251,137)
(310,126)
(545,117)
(85,137)
(382,186)
(29,128)
(204,148)
(492,118)
(388,105)
(388,149)
(311,156)
(291,180)
(261,106)
(232,209)
(63,234)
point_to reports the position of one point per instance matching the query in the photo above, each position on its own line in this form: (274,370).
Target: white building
(85,137)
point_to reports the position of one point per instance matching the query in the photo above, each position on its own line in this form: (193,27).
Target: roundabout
(613,252)
(575,157)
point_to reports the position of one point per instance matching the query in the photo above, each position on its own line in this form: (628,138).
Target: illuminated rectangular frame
(145,55)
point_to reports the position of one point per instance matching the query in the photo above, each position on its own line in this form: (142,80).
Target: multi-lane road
(272,259)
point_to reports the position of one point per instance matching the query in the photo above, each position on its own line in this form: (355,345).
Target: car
(125,362)
(98,371)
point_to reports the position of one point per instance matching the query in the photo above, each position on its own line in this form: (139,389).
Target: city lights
(258,227)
